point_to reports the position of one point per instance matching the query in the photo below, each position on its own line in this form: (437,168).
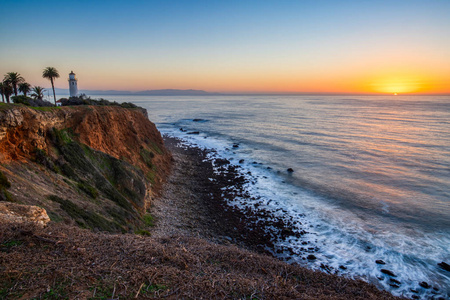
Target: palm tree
(25,88)
(2,92)
(6,90)
(51,73)
(38,92)
(14,79)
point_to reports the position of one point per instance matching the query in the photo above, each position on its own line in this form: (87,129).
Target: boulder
(388,272)
(444,266)
(17,213)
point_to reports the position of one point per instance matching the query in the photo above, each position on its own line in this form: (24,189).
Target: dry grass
(61,262)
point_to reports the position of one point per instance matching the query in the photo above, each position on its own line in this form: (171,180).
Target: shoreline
(195,203)
(199,196)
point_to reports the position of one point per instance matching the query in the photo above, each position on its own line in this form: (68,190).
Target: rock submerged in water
(235,145)
(388,272)
(425,285)
(380,262)
(193,132)
(444,266)
(241,161)
(290,170)
(311,257)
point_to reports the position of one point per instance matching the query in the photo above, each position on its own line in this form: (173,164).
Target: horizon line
(211,93)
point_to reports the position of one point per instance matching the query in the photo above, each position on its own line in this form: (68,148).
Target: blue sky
(227,45)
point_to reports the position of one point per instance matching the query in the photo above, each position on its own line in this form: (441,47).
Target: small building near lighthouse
(73,87)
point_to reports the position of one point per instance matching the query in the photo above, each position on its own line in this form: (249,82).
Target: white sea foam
(338,237)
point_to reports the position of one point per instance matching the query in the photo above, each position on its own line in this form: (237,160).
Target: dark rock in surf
(395,281)
(221,162)
(193,132)
(198,120)
(414,291)
(380,262)
(425,285)
(326,268)
(388,272)
(311,257)
(236,145)
(444,266)
(241,161)
(183,130)
(290,170)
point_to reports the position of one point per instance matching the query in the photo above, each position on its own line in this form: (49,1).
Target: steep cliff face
(98,166)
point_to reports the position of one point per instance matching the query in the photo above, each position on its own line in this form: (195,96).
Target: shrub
(88,189)
(21,99)
(149,220)
(4,184)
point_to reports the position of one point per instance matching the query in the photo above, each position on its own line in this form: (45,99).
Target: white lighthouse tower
(73,88)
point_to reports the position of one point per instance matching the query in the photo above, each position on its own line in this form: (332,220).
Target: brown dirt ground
(63,262)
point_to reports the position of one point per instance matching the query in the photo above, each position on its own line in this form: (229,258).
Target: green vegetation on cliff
(4,185)
(95,174)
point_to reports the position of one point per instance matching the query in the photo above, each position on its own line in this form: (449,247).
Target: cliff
(96,166)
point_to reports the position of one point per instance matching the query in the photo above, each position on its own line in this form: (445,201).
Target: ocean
(370,180)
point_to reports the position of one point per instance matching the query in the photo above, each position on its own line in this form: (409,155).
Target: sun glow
(403,82)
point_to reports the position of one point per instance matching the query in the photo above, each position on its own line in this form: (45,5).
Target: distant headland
(164,92)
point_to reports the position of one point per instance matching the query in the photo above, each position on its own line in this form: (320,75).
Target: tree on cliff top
(2,91)
(6,90)
(25,88)
(14,79)
(38,92)
(51,73)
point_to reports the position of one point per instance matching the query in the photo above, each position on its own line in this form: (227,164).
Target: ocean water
(371,176)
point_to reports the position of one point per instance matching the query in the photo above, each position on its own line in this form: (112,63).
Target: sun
(395,83)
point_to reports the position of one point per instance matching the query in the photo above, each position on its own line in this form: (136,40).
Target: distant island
(164,92)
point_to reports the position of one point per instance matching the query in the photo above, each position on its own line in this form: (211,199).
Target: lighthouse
(73,88)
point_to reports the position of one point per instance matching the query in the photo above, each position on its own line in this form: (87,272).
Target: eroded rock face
(17,213)
(98,166)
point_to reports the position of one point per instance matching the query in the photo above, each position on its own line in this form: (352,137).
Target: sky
(301,46)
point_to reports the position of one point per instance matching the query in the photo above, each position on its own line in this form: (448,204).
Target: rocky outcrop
(16,213)
(98,166)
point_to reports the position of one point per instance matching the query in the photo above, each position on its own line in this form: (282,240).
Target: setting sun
(404,82)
